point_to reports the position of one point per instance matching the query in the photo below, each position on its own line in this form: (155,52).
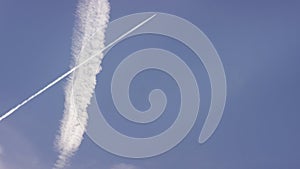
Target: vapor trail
(88,45)
(81,84)
(87,55)
(92,19)
(11,111)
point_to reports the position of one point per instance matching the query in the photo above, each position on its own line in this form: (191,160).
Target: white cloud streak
(66,74)
(75,122)
(92,19)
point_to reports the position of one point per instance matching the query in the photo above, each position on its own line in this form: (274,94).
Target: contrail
(11,111)
(93,16)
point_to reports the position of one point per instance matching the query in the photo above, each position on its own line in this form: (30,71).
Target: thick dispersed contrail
(11,111)
(92,20)
(88,46)
(74,122)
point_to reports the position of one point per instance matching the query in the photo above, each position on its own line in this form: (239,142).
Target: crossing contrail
(11,111)
(89,32)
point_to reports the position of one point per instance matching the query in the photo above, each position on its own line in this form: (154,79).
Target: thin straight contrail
(10,112)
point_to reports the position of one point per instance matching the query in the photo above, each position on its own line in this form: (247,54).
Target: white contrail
(93,16)
(89,42)
(74,122)
(11,111)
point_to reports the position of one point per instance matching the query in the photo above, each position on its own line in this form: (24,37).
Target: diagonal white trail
(88,46)
(54,82)
(87,51)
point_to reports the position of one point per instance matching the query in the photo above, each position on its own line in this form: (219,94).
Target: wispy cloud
(92,19)
(2,165)
(124,166)
(1,150)
(19,156)
(1,154)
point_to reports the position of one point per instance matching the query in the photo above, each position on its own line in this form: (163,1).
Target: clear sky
(258,42)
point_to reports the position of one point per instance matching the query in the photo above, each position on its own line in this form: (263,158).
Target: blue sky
(258,45)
